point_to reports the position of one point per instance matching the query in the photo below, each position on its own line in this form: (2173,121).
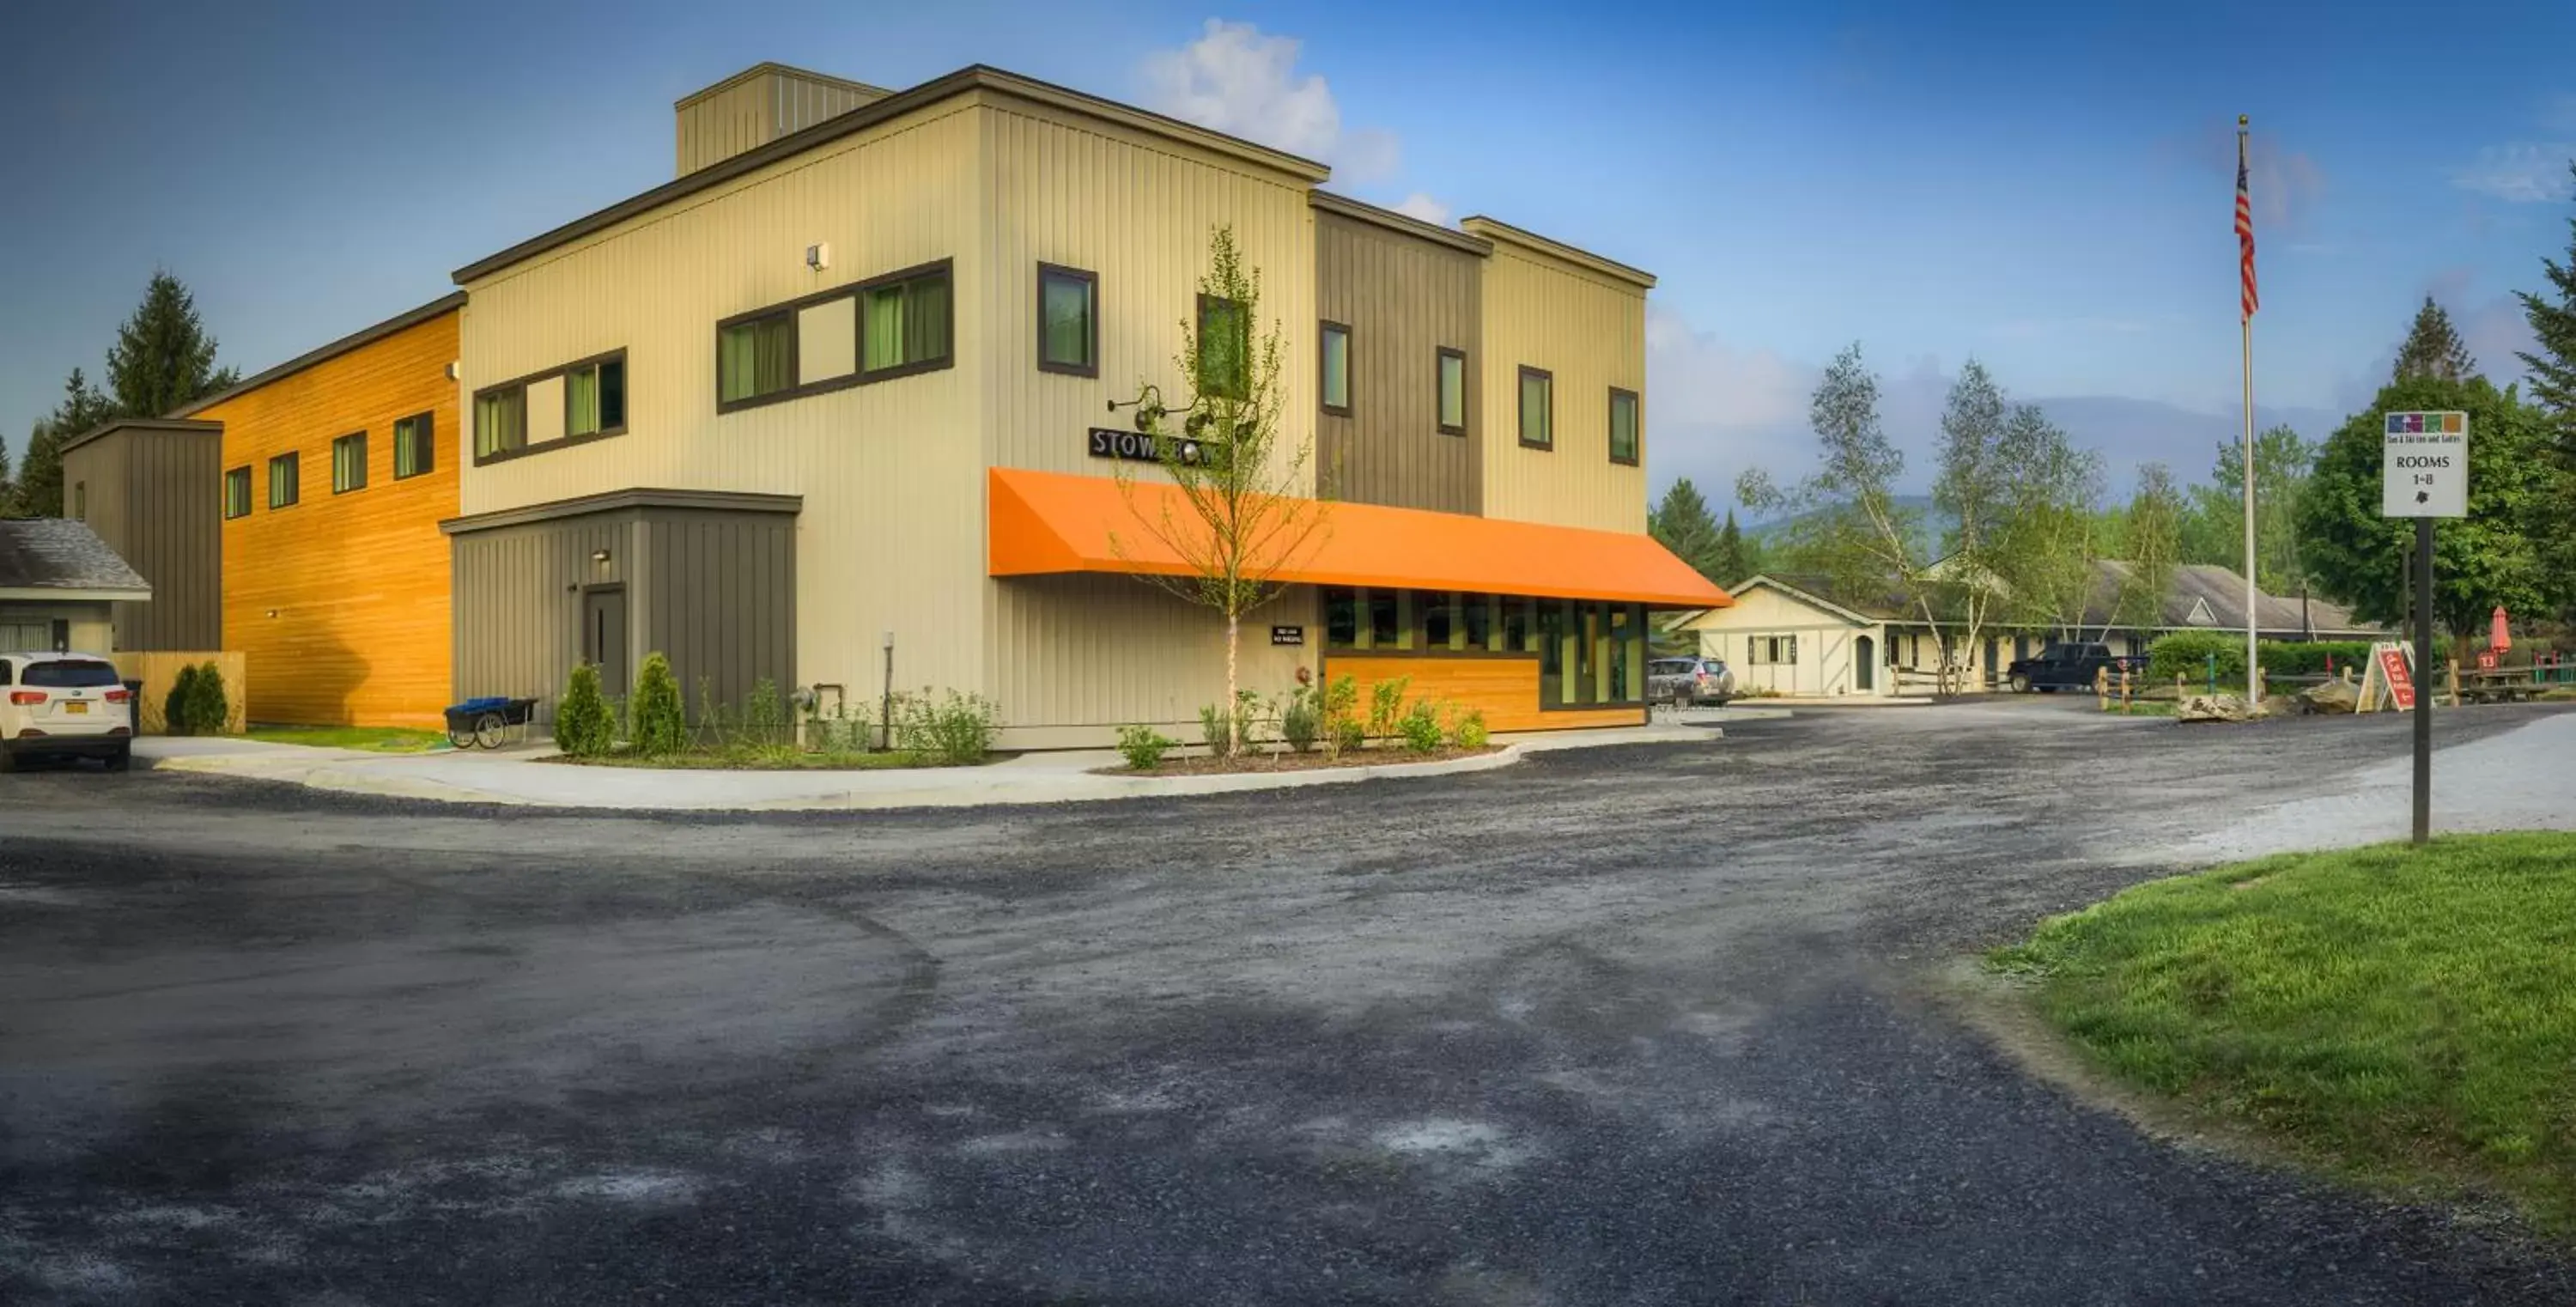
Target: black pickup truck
(2068,666)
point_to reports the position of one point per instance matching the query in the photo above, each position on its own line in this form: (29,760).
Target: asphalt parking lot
(1655,1024)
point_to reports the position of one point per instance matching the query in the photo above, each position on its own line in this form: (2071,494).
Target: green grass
(2142,708)
(373,739)
(761,760)
(2403,1016)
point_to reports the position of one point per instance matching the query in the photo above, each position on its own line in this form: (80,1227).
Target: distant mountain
(1936,524)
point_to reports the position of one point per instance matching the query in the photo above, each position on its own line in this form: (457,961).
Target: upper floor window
(755,357)
(501,421)
(1538,408)
(1623,426)
(904,323)
(1453,391)
(415,445)
(349,463)
(595,398)
(284,481)
(1225,348)
(1068,321)
(237,492)
(1335,371)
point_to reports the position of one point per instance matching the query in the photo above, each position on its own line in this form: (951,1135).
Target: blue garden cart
(489,722)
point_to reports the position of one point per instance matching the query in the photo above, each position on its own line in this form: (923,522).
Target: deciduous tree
(1245,511)
(1844,519)
(2045,538)
(2151,544)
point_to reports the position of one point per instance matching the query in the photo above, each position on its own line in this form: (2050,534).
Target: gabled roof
(56,558)
(1807,590)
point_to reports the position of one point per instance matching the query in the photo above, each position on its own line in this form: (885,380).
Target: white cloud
(1419,205)
(1714,409)
(1235,79)
(2521,173)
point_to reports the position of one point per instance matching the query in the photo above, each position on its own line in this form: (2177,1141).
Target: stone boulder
(2332,697)
(2214,708)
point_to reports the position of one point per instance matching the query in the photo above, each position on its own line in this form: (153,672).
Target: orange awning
(1049,522)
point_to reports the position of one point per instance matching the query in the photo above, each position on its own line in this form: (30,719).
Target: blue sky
(2045,187)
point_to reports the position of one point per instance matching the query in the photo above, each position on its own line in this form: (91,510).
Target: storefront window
(1439,619)
(1341,618)
(1385,620)
(1476,621)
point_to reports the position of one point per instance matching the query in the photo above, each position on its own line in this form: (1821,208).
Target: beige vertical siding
(891,536)
(755,109)
(1590,331)
(87,625)
(1403,298)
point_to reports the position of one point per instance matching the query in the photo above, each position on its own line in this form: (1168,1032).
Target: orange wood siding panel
(1506,689)
(358,582)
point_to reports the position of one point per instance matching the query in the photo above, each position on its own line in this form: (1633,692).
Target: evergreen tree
(7,491)
(163,358)
(2553,327)
(1683,524)
(39,489)
(1734,559)
(2433,349)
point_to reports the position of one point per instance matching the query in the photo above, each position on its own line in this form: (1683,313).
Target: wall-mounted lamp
(272,612)
(599,556)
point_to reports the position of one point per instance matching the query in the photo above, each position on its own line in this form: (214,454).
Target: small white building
(58,585)
(1801,635)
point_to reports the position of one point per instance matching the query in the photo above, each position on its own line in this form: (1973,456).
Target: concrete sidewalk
(519,777)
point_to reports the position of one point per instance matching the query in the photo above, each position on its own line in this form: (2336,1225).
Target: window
(80,501)
(1385,620)
(501,421)
(237,493)
(1336,369)
(1453,391)
(1068,321)
(1771,650)
(83,675)
(1341,618)
(284,486)
(349,463)
(415,446)
(755,358)
(1623,426)
(595,398)
(1439,619)
(1225,348)
(1476,620)
(1538,405)
(903,323)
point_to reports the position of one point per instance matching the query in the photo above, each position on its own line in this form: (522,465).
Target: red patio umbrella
(2502,638)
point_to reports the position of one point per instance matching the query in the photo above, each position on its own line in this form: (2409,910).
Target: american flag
(2244,229)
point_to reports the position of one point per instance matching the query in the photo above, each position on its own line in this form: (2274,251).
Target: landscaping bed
(1278,762)
(769,760)
(2401,1016)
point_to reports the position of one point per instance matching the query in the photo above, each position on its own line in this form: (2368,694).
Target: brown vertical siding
(1404,298)
(155,497)
(713,591)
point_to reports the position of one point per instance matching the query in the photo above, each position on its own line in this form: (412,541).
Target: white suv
(64,705)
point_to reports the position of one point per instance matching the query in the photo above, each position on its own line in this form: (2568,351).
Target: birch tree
(1243,512)
(2151,533)
(2045,543)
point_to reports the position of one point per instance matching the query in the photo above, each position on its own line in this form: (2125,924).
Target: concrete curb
(346,772)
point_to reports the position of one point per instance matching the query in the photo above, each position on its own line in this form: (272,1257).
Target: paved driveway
(1649,1025)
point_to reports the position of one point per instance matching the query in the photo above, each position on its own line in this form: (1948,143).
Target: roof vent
(2200,614)
(758,105)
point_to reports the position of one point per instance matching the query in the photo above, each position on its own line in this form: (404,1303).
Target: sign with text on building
(1288,635)
(2424,465)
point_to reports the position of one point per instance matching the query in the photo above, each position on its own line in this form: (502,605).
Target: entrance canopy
(1052,522)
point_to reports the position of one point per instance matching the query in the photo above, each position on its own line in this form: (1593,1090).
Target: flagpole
(2253,616)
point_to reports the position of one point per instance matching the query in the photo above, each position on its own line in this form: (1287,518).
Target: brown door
(603,637)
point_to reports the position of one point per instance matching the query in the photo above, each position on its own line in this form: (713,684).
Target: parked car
(1690,681)
(2068,666)
(64,706)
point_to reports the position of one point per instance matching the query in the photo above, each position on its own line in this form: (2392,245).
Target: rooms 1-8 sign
(2424,465)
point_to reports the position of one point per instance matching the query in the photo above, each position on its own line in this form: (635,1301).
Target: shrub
(583,727)
(1143,746)
(1301,718)
(1386,703)
(661,722)
(2187,654)
(210,709)
(178,707)
(953,730)
(1340,706)
(1468,731)
(1212,731)
(1420,727)
(764,713)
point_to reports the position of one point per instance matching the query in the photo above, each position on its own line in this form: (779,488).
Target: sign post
(2424,474)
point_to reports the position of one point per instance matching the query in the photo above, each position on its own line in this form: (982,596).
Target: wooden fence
(158,671)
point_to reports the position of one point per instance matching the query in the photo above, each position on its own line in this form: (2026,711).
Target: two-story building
(837,398)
